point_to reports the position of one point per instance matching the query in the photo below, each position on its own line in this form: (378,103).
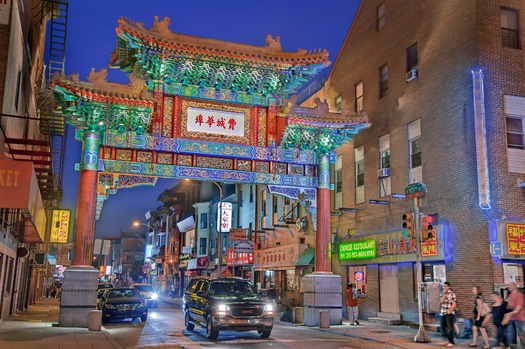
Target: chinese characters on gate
(215,121)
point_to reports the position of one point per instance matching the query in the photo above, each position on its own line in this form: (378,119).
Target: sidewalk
(37,328)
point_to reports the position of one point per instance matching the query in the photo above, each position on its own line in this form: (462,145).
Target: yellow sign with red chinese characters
(60,226)
(515,239)
(429,247)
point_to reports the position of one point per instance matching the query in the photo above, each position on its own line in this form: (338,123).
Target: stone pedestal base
(79,296)
(322,292)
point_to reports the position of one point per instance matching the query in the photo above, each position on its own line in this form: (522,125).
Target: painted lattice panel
(225,164)
(123,154)
(262,167)
(167,120)
(244,165)
(164,158)
(261,141)
(297,169)
(184,160)
(144,156)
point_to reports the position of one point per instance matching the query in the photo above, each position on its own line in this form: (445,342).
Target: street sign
(379,202)
(495,248)
(414,190)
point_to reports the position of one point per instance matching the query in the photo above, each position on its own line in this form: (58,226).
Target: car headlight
(154,296)
(222,310)
(142,305)
(268,309)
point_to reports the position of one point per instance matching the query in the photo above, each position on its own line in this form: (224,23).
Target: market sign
(357,250)
(515,238)
(60,226)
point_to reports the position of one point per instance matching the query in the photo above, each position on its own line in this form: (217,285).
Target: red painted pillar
(86,205)
(323,264)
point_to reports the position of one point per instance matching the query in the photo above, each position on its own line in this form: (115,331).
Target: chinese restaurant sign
(215,121)
(60,226)
(515,239)
(429,247)
(233,259)
(225,213)
(357,250)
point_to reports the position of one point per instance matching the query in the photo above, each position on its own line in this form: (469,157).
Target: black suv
(226,304)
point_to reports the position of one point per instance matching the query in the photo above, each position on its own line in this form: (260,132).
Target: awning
(307,258)
(225,271)
(51,259)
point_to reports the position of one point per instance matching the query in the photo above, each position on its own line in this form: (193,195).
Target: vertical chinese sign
(429,247)
(515,239)
(60,226)
(225,217)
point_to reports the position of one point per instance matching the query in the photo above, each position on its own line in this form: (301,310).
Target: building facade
(441,83)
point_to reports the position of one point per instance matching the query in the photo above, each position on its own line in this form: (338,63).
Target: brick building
(442,85)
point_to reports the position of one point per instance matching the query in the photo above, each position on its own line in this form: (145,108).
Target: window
(385,158)
(515,133)
(380,21)
(337,104)
(359,106)
(263,203)
(415,152)
(338,181)
(509,28)
(412,58)
(251,193)
(383,80)
(360,173)
(274,203)
(203,224)
(202,246)
(241,195)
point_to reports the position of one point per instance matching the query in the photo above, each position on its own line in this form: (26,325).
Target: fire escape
(47,152)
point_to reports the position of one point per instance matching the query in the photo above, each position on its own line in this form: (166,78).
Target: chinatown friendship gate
(201,109)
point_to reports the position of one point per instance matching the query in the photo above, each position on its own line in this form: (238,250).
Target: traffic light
(408,224)
(427,230)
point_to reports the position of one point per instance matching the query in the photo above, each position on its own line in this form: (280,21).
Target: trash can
(324,319)
(298,315)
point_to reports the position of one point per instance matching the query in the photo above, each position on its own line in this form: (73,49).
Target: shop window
(203,224)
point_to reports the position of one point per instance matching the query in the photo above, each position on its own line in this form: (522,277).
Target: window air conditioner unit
(412,75)
(383,172)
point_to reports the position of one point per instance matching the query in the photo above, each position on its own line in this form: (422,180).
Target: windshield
(231,288)
(123,293)
(144,288)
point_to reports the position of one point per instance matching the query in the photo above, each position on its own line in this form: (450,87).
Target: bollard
(95,320)
(324,321)
(298,315)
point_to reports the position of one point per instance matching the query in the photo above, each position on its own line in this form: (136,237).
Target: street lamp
(219,230)
(137,224)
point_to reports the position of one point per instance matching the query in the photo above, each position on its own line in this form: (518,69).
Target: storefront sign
(281,257)
(215,121)
(60,226)
(246,246)
(202,262)
(225,216)
(237,234)
(401,246)
(429,248)
(515,239)
(357,250)
(234,259)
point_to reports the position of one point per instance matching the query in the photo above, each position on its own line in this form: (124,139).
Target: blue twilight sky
(306,24)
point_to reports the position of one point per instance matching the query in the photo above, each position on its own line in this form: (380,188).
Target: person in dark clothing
(499,309)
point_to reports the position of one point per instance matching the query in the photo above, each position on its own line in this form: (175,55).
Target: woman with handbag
(501,316)
(480,315)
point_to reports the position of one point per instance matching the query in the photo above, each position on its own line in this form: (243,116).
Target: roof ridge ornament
(273,44)
(161,27)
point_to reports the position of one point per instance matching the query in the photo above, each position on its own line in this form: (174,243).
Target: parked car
(121,303)
(226,304)
(148,292)
(102,285)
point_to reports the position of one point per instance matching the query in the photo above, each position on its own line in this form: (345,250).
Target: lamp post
(219,230)
(137,224)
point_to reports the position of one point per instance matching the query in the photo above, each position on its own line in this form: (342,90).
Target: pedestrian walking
(516,302)
(480,320)
(172,288)
(448,306)
(351,304)
(499,309)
